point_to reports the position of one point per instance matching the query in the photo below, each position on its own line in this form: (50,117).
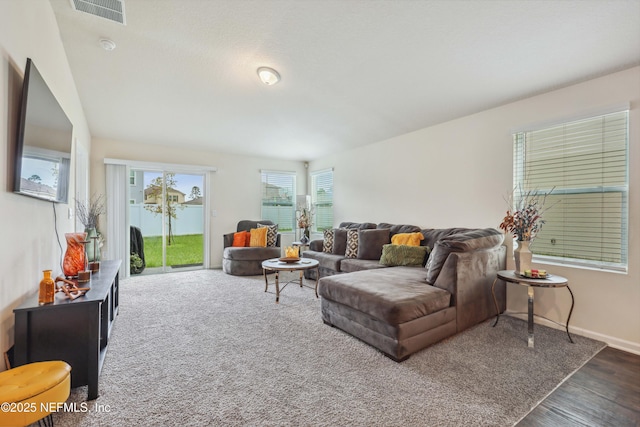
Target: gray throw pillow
(468,241)
(370,243)
(357,225)
(399,228)
(339,241)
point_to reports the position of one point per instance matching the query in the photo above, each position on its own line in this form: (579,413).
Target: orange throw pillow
(411,239)
(240,239)
(247,241)
(259,237)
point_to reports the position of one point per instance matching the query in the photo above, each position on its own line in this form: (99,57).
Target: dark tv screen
(45,135)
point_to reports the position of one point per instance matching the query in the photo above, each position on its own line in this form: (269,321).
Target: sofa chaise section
(391,309)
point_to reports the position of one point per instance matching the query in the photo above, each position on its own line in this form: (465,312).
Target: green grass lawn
(184,250)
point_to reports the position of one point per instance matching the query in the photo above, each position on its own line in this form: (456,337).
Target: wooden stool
(23,389)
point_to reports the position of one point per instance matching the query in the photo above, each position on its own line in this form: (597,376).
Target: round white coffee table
(277,266)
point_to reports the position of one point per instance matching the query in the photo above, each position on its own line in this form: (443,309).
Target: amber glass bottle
(47,289)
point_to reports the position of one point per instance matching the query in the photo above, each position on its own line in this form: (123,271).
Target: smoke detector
(107,44)
(113,10)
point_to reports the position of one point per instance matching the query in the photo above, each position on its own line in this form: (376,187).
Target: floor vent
(113,10)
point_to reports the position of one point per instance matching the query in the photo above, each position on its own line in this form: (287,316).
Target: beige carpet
(202,348)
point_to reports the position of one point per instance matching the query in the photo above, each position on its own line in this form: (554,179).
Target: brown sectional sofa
(400,310)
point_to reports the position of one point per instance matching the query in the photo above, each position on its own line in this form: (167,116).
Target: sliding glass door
(166,214)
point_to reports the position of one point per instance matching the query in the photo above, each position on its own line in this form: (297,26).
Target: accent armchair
(247,261)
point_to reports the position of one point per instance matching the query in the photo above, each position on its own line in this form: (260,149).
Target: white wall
(236,189)
(458,173)
(29,29)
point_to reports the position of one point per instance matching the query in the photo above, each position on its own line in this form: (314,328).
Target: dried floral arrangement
(304,218)
(88,214)
(526,221)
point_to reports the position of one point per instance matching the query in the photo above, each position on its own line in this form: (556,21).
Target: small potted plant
(135,263)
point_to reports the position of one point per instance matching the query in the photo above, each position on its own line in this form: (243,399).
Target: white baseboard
(614,342)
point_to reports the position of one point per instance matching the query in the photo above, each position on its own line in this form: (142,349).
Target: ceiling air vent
(113,10)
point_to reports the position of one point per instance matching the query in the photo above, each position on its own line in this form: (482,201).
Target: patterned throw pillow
(352,244)
(327,243)
(272,233)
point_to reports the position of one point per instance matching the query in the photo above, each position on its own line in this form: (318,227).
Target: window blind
(278,193)
(583,165)
(322,198)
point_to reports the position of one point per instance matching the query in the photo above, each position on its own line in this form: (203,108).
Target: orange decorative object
(47,288)
(74,257)
(70,289)
(291,252)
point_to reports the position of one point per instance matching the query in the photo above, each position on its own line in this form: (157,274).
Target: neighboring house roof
(196,201)
(152,189)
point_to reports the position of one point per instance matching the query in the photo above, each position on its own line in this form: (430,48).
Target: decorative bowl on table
(535,274)
(289,260)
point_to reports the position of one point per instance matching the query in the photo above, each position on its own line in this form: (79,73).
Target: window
(132,177)
(278,194)
(322,198)
(584,166)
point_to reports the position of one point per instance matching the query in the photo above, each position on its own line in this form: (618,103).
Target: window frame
(520,174)
(279,175)
(314,199)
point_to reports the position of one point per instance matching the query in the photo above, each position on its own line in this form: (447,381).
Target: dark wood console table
(76,331)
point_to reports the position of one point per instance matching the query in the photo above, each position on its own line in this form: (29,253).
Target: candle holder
(94,266)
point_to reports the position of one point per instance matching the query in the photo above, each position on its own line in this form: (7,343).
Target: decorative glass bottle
(47,289)
(74,257)
(305,236)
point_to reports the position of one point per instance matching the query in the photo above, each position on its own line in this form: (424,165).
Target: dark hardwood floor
(604,392)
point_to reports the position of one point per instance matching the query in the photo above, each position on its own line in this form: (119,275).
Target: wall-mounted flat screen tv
(45,135)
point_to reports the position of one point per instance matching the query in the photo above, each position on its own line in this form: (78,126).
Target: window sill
(583,265)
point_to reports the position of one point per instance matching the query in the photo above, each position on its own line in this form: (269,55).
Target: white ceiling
(353,71)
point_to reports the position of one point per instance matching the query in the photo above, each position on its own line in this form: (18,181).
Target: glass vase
(93,249)
(47,289)
(74,257)
(305,236)
(522,256)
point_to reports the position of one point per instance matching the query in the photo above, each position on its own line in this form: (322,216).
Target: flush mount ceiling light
(269,76)
(107,44)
